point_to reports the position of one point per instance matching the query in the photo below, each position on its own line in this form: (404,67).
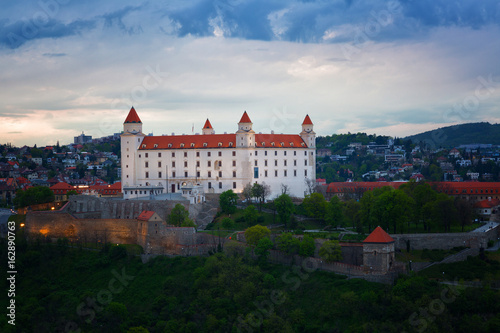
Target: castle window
(147,174)
(234,174)
(220,184)
(265,153)
(209,163)
(209,184)
(159,174)
(275,173)
(198,164)
(265,173)
(275,153)
(209,174)
(275,162)
(185,164)
(263,144)
(173,164)
(173,154)
(305,173)
(220,174)
(146,155)
(159,154)
(220,153)
(197,154)
(139,155)
(234,184)
(156,145)
(265,162)
(192,145)
(219,144)
(234,153)
(282,144)
(185,174)
(205,144)
(284,162)
(295,173)
(170,146)
(294,162)
(255,163)
(185,154)
(291,144)
(234,163)
(285,173)
(305,153)
(159,164)
(302,144)
(182,145)
(230,144)
(284,152)
(146,164)
(256,153)
(173,174)
(209,154)
(272,144)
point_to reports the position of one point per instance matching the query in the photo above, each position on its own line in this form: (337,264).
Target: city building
(217,162)
(82,139)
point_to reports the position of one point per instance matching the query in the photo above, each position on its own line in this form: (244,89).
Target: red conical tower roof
(245,118)
(378,236)
(207,124)
(133,117)
(307,121)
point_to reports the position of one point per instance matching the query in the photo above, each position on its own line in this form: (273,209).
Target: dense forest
(62,289)
(453,136)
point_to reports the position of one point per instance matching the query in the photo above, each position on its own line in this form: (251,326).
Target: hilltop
(452,136)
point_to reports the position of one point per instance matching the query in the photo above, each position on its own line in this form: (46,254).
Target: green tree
(188,223)
(261,192)
(444,212)
(393,209)
(464,211)
(263,247)
(139,329)
(285,207)
(288,243)
(227,223)
(351,213)
(307,246)
(315,205)
(33,195)
(256,233)
(227,201)
(330,251)
(250,214)
(178,215)
(334,215)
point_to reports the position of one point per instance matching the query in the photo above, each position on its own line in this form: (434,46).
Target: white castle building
(154,165)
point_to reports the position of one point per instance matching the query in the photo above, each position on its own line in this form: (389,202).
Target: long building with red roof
(218,162)
(470,191)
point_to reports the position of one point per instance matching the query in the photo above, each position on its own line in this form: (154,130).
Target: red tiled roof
(133,117)
(145,215)
(207,124)
(245,118)
(378,236)
(339,187)
(220,141)
(62,186)
(307,121)
(487,203)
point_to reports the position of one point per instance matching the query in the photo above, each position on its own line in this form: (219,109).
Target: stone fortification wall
(85,206)
(60,224)
(445,241)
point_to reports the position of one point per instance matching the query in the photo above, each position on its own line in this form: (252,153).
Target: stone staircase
(207,211)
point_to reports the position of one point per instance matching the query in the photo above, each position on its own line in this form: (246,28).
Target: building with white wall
(164,164)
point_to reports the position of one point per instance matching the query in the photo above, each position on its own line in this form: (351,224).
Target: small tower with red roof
(308,134)
(245,136)
(131,139)
(207,128)
(378,251)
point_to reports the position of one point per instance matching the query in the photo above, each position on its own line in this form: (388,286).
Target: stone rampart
(445,241)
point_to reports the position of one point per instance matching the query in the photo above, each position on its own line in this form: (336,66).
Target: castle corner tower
(245,136)
(131,139)
(308,134)
(207,128)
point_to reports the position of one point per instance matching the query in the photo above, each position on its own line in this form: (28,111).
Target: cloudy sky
(386,67)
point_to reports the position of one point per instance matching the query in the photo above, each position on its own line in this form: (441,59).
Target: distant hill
(456,135)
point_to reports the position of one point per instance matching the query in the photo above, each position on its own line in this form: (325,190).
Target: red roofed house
(378,252)
(218,162)
(486,207)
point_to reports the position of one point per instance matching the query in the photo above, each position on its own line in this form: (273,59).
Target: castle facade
(153,165)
